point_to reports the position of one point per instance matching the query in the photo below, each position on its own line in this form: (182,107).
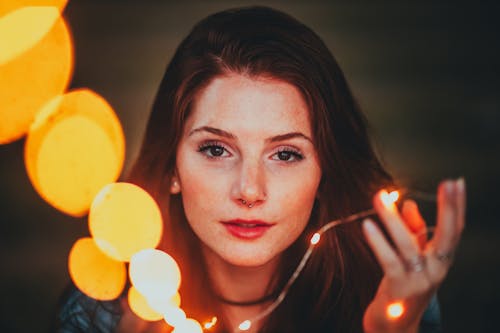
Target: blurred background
(426,73)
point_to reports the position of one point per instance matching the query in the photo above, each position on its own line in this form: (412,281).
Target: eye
(213,150)
(288,155)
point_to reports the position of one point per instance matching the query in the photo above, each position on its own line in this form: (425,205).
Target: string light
(210,324)
(387,198)
(245,326)
(315,238)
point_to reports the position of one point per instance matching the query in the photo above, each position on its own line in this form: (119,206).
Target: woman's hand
(414,267)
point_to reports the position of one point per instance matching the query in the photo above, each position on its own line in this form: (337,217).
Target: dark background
(425,72)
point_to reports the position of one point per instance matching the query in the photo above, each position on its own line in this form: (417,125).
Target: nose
(249,187)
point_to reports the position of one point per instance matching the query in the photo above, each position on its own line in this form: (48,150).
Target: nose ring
(249,205)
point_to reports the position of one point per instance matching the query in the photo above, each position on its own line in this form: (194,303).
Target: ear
(175,185)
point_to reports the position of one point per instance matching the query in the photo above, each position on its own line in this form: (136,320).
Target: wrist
(392,329)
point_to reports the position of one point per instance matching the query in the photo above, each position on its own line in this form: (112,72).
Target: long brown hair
(341,278)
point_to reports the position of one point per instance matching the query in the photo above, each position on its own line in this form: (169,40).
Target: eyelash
(297,156)
(206,149)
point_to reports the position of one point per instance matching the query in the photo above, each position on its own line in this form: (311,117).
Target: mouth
(247,229)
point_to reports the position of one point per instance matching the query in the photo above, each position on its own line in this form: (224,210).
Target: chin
(247,256)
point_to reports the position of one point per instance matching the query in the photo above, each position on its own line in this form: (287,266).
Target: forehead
(240,102)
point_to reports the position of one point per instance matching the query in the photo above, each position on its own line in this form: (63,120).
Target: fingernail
(408,204)
(450,187)
(369,226)
(460,184)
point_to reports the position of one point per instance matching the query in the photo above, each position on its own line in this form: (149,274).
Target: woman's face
(247,169)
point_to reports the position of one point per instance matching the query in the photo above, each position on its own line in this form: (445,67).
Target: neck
(242,291)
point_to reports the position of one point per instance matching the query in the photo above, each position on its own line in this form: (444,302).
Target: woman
(254,143)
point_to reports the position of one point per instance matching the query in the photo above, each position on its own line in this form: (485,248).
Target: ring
(444,257)
(415,264)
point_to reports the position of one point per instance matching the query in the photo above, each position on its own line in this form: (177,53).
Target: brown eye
(216,151)
(288,155)
(213,150)
(284,155)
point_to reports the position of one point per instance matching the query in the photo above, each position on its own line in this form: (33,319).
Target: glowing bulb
(245,326)
(394,195)
(210,324)
(395,310)
(153,272)
(389,198)
(315,238)
(123,220)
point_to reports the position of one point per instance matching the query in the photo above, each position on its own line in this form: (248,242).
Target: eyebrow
(225,134)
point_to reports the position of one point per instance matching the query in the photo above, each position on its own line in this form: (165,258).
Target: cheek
(297,195)
(200,191)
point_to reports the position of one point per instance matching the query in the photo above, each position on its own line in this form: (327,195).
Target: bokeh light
(125,219)
(209,324)
(153,272)
(31,75)
(139,305)
(245,325)
(7,6)
(389,198)
(161,303)
(23,28)
(94,273)
(174,316)
(188,326)
(395,310)
(74,147)
(315,238)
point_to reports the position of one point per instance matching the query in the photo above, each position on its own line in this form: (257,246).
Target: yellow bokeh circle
(35,66)
(124,219)
(139,305)
(94,273)
(75,146)
(7,6)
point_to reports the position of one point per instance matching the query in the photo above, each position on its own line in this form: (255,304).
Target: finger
(461,204)
(414,221)
(402,236)
(388,259)
(447,226)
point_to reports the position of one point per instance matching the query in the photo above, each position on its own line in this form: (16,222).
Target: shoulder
(78,312)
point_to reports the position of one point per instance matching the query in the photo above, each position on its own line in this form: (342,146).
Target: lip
(247,229)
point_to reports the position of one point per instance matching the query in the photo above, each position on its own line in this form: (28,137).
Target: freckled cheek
(202,192)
